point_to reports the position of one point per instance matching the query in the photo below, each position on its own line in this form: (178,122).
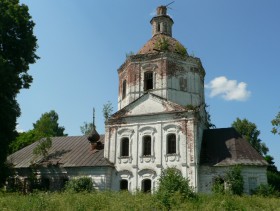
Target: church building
(161,122)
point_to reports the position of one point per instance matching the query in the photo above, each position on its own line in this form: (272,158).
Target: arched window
(146,185)
(123,184)
(147,145)
(171,143)
(124,89)
(124,147)
(148,80)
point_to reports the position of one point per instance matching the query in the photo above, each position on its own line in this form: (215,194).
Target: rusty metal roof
(151,45)
(225,147)
(66,151)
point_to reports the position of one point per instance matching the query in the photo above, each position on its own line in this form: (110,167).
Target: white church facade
(161,122)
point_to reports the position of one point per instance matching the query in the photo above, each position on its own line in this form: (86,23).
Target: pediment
(148,104)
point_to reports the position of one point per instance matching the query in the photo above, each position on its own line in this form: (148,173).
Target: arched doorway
(146,185)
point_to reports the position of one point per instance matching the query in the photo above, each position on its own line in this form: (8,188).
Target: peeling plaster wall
(101,176)
(178,79)
(137,167)
(206,175)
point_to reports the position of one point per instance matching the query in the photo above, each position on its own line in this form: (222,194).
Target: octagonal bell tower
(163,67)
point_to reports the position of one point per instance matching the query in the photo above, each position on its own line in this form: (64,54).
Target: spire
(93,136)
(162,23)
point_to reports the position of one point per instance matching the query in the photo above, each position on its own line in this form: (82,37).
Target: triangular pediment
(148,104)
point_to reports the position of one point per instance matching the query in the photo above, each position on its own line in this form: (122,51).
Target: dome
(93,136)
(163,43)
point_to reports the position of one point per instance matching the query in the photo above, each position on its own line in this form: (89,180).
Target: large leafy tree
(17,51)
(250,132)
(47,126)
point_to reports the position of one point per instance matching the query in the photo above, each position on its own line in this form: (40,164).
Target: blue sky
(83,43)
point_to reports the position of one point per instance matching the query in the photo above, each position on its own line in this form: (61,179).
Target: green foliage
(180,49)
(235,180)
(271,167)
(43,147)
(250,132)
(86,128)
(107,110)
(46,126)
(125,201)
(162,44)
(22,140)
(17,51)
(82,184)
(218,186)
(273,179)
(276,124)
(172,185)
(265,191)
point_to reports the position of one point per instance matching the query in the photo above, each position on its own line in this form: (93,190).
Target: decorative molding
(172,157)
(126,159)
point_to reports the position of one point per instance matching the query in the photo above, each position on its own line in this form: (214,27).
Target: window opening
(147,145)
(124,89)
(148,83)
(125,147)
(123,184)
(146,186)
(158,27)
(171,144)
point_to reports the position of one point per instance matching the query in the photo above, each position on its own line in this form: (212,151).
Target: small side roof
(226,147)
(66,151)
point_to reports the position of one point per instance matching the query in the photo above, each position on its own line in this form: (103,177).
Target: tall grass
(126,201)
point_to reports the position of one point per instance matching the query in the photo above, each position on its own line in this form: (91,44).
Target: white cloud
(18,129)
(228,89)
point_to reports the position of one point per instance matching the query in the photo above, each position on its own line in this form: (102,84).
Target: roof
(225,147)
(151,46)
(66,151)
(137,107)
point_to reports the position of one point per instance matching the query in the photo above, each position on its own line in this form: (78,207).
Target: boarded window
(123,184)
(148,81)
(171,144)
(125,147)
(147,145)
(146,185)
(124,89)
(252,184)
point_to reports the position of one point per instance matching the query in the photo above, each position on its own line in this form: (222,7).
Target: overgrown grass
(127,201)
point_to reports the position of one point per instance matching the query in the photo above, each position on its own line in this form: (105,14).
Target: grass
(126,201)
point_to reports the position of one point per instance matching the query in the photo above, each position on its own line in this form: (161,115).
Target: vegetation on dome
(162,44)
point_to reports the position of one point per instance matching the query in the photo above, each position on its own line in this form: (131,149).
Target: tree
(172,184)
(86,128)
(46,126)
(107,110)
(17,51)
(276,124)
(250,132)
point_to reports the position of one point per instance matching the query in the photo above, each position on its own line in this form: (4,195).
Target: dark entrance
(146,185)
(123,184)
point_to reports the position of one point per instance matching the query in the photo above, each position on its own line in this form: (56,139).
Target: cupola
(162,23)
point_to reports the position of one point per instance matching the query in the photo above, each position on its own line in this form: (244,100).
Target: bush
(265,191)
(235,180)
(79,185)
(218,185)
(173,188)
